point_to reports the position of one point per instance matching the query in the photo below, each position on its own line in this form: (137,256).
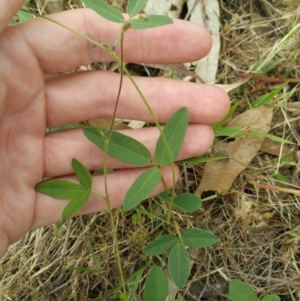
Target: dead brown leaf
(276,148)
(219,175)
(106,122)
(52,6)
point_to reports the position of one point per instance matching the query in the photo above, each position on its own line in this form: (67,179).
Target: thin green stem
(123,69)
(169,214)
(98,195)
(112,221)
(160,130)
(107,48)
(120,84)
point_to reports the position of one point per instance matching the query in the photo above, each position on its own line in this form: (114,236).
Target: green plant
(240,291)
(125,149)
(22,14)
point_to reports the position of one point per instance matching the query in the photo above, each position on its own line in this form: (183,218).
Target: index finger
(8,10)
(58,49)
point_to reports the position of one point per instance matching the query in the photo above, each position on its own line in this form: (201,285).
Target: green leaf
(105,10)
(156,285)
(60,189)
(135,6)
(77,203)
(82,174)
(187,202)
(271,298)
(123,297)
(24,16)
(239,291)
(174,133)
(271,137)
(160,245)
(179,264)
(141,188)
(150,21)
(120,147)
(198,238)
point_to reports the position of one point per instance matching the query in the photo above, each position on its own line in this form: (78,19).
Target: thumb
(8,10)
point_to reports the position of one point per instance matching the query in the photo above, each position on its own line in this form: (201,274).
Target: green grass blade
(232,109)
(116,290)
(82,174)
(239,291)
(60,189)
(150,21)
(271,137)
(160,245)
(267,98)
(284,41)
(202,159)
(174,133)
(230,131)
(137,280)
(63,127)
(187,202)
(198,238)
(179,264)
(76,204)
(141,188)
(105,10)
(156,285)
(286,96)
(135,6)
(84,270)
(280,177)
(273,65)
(120,147)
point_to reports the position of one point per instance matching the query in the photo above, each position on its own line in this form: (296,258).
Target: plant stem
(164,140)
(121,82)
(104,47)
(123,69)
(98,195)
(112,221)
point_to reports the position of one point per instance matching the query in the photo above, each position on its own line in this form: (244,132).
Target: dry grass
(259,243)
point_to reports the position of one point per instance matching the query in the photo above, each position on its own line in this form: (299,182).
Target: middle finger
(87,95)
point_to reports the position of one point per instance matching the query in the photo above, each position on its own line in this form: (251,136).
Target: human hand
(30,103)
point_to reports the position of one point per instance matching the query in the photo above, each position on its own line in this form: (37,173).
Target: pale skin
(31,103)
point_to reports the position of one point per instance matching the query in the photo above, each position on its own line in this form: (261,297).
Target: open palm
(30,102)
